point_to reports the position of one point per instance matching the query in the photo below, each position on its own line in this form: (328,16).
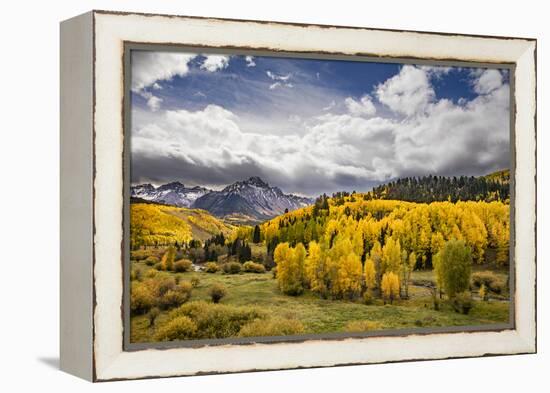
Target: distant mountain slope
(153,224)
(252,198)
(174,193)
(495,186)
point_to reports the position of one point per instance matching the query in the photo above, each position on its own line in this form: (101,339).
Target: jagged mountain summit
(174,193)
(253,198)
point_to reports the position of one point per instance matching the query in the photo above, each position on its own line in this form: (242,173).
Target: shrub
(179,328)
(252,267)
(140,255)
(217,292)
(195,281)
(152,315)
(362,326)
(232,268)
(491,281)
(271,327)
(159,266)
(211,267)
(453,266)
(462,302)
(141,298)
(176,296)
(135,274)
(217,320)
(368,298)
(497,287)
(151,273)
(151,260)
(183,265)
(163,285)
(481,278)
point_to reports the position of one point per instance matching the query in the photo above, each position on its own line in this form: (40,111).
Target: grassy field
(325,315)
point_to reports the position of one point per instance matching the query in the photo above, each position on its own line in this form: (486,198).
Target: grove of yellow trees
(365,244)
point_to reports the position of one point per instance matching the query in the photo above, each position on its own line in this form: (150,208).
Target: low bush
(152,315)
(135,274)
(151,273)
(211,267)
(151,260)
(232,268)
(497,287)
(253,267)
(462,302)
(368,298)
(140,255)
(179,328)
(183,265)
(159,266)
(163,285)
(176,296)
(362,326)
(491,281)
(484,278)
(271,327)
(217,292)
(216,320)
(141,298)
(195,282)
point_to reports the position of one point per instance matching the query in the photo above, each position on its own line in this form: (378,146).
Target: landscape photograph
(280,196)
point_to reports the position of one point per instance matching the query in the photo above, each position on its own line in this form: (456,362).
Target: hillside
(499,176)
(154,224)
(492,187)
(352,223)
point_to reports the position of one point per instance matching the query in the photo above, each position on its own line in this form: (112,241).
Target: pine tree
(256,237)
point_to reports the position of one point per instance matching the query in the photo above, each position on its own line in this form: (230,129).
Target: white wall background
(29,183)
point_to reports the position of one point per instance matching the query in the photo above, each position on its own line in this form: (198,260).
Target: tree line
(439,188)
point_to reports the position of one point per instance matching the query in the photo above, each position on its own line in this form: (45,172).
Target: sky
(312,126)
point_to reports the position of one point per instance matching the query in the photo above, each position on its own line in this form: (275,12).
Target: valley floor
(325,315)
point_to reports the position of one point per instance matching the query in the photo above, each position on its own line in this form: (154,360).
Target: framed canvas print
(246,195)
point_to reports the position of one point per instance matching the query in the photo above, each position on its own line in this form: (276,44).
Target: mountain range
(250,200)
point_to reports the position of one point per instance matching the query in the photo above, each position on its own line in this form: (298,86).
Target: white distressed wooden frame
(92,47)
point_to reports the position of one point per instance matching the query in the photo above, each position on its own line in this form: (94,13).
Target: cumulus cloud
(363,107)
(250,61)
(353,150)
(408,92)
(149,67)
(214,63)
(488,81)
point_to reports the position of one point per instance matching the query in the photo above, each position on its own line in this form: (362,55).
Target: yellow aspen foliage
(391,256)
(390,286)
(369,272)
(290,268)
(347,280)
(316,272)
(167,260)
